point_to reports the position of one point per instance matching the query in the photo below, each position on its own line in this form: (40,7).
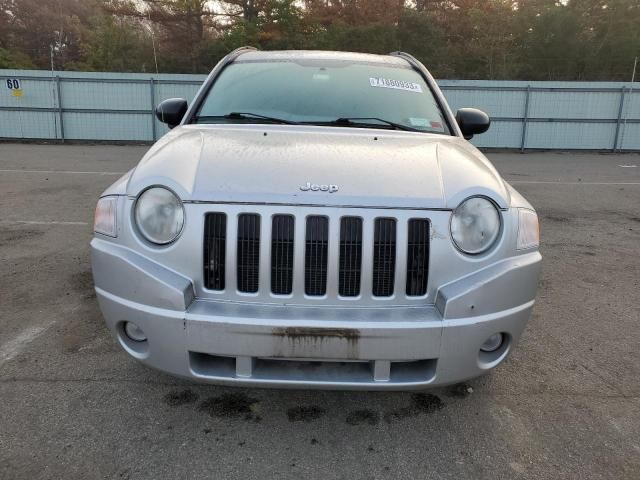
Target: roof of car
(284,55)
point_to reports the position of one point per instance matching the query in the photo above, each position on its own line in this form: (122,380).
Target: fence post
(523,140)
(618,121)
(152,96)
(59,93)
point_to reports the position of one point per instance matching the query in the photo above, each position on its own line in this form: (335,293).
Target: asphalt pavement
(566,404)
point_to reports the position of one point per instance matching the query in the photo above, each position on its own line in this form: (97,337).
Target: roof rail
(231,56)
(239,51)
(407,56)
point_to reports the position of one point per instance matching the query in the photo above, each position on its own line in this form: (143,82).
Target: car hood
(269,164)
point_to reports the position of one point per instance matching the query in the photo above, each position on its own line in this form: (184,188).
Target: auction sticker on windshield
(395,84)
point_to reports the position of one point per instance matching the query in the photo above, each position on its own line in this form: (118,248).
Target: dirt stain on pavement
(230,405)
(555,218)
(459,390)
(426,402)
(8,237)
(305,413)
(180,397)
(363,417)
(421,403)
(82,283)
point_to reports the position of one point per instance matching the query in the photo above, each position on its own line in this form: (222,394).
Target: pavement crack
(602,378)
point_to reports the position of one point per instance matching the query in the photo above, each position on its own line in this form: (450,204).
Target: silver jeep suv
(318,220)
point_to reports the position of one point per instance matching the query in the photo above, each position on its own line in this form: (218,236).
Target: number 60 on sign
(13,84)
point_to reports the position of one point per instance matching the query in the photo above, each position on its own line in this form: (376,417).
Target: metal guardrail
(525,119)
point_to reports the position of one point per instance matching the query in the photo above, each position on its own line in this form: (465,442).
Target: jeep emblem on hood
(318,188)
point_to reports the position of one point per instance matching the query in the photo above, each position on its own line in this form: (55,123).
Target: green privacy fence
(86,106)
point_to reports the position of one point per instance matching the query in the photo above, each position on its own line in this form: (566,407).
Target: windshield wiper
(247,116)
(360,121)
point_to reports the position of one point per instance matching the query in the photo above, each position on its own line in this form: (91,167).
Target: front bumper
(313,347)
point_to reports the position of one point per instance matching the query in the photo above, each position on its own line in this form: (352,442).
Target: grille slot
(215,246)
(384,257)
(248,252)
(316,252)
(417,257)
(350,266)
(282,237)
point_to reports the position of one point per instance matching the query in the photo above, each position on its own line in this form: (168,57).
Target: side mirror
(472,121)
(171,111)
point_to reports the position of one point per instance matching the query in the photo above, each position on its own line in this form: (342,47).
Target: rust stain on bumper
(351,334)
(307,341)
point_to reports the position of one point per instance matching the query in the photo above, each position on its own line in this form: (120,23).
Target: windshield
(323,92)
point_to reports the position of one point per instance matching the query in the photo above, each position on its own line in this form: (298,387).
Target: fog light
(493,343)
(134,332)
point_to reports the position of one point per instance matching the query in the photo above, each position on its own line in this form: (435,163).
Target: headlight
(159,215)
(104,221)
(475,225)
(528,229)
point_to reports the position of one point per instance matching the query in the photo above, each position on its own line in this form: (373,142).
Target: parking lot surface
(565,405)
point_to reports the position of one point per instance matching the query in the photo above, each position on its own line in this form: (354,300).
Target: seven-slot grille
(354,248)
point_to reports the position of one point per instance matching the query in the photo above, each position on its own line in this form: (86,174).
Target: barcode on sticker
(396,84)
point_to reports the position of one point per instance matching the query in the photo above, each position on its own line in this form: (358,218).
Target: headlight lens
(528,229)
(159,215)
(104,221)
(475,225)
